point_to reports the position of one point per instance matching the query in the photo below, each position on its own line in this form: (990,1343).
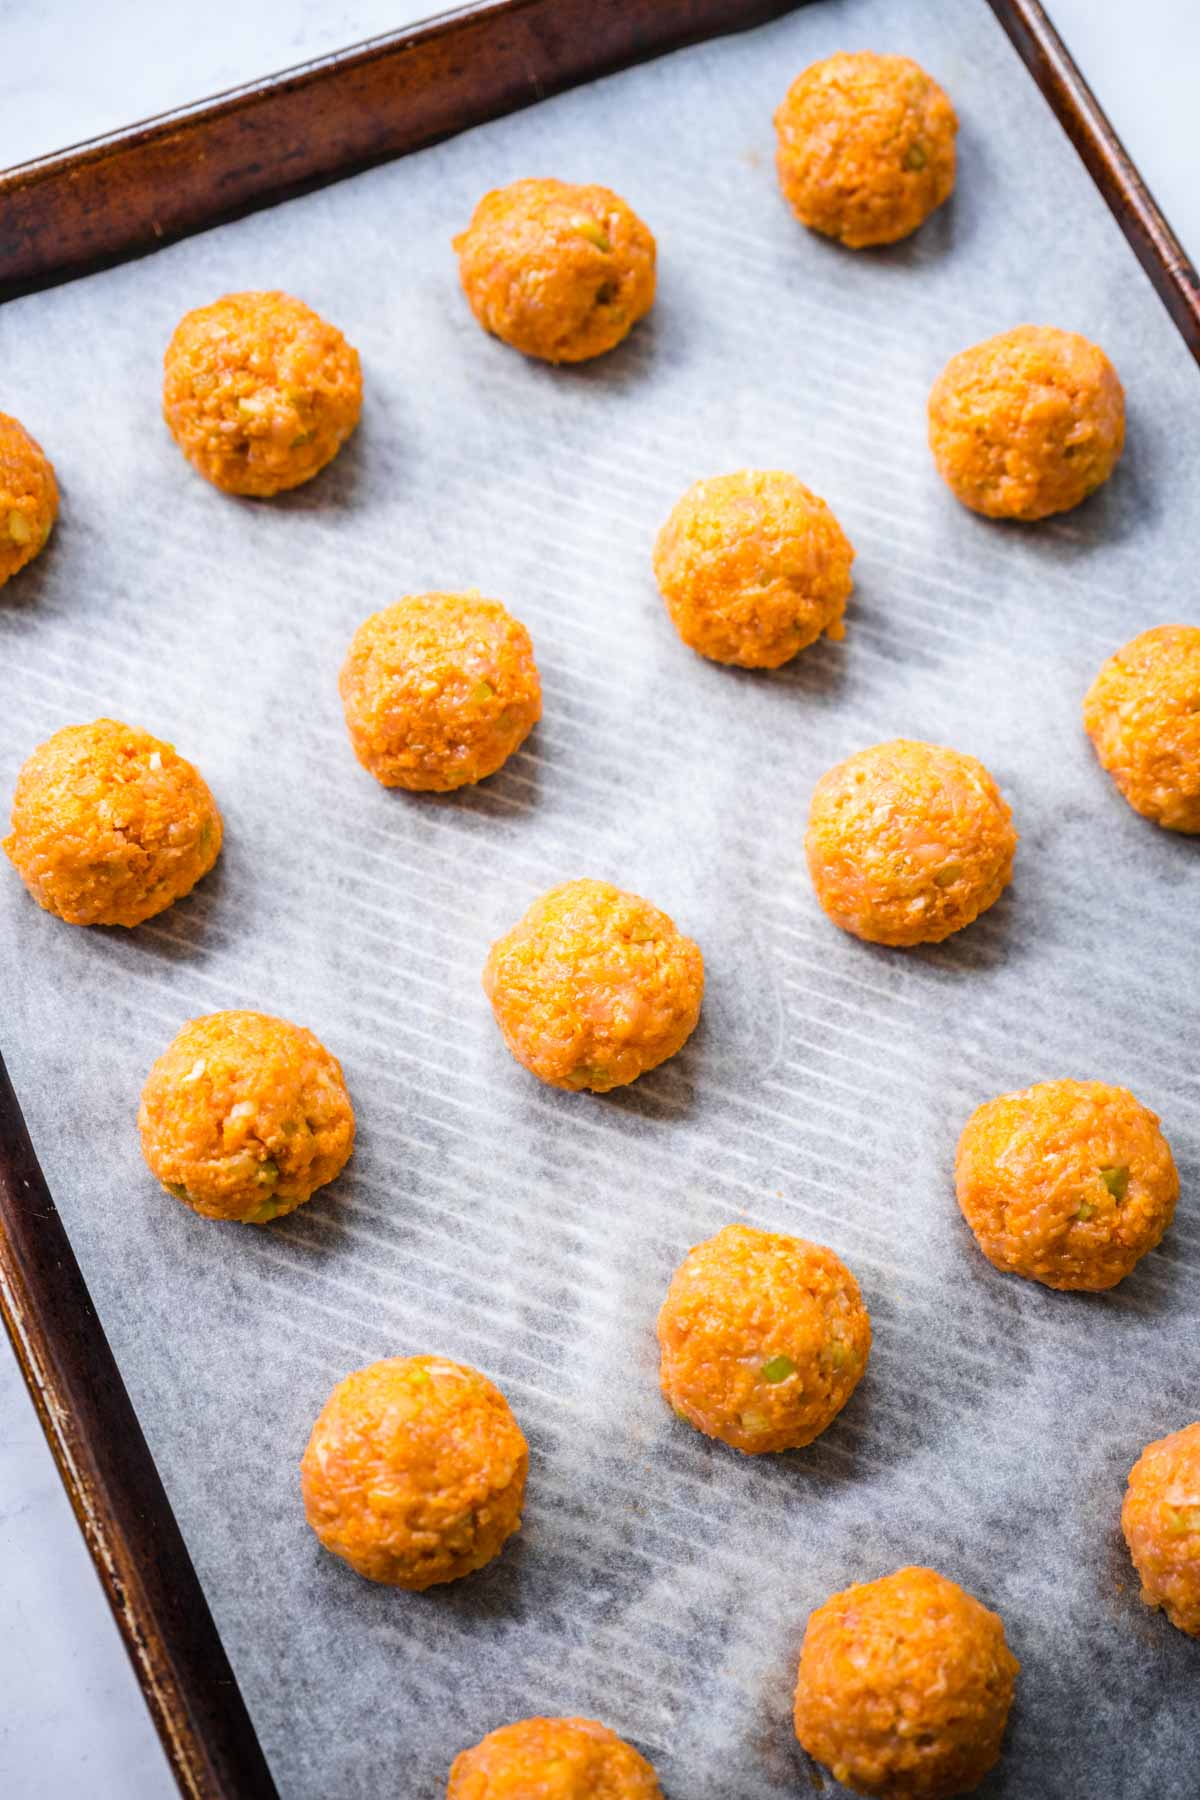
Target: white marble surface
(71,1720)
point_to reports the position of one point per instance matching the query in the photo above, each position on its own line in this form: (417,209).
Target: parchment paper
(661,1581)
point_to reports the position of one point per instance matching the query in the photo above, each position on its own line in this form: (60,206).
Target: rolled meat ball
(866,147)
(245,1116)
(415,1471)
(559,271)
(594,986)
(908,842)
(764,1338)
(1068,1183)
(110,825)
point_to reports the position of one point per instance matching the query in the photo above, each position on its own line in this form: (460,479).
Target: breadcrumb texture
(28,497)
(764,1338)
(593,986)
(552,1759)
(908,842)
(1161,1522)
(753,568)
(245,1116)
(866,147)
(110,825)
(559,271)
(1068,1182)
(1028,423)
(260,392)
(415,1471)
(439,690)
(904,1686)
(1142,714)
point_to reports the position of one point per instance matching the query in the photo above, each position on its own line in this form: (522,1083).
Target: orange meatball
(1028,423)
(552,1759)
(904,1686)
(866,147)
(1161,1522)
(244,1116)
(558,271)
(1142,714)
(415,1471)
(28,497)
(764,1338)
(753,567)
(110,825)
(1067,1183)
(593,986)
(260,392)
(908,842)
(439,690)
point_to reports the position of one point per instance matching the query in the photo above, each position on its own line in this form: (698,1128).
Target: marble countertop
(73,1721)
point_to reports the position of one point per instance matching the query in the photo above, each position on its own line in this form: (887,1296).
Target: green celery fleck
(594,233)
(1116,1181)
(778,1369)
(915,157)
(1086,1210)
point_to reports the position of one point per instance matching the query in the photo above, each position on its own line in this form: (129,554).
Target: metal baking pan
(91,208)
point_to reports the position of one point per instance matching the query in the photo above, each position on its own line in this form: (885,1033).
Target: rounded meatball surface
(260,392)
(552,1759)
(558,271)
(1161,1522)
(245,1116)
(753,567)
(908,842)
(904,1686)
(1142,714)
(28,497)
(1028,423)
(415,1471)
(764,1338)
(593,986)
(866,147)
(110,825)
(439,690)
(1067,1183)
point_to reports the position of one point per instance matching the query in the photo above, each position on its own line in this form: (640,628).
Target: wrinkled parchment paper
(661,1581)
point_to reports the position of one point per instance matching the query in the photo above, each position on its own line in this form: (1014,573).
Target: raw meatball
(439,690)
(28,497)
(594,986)
(245,1116)
(904,1686)
(866,147)
(1142,714)
(753,567)
(1027,423)
(558,271)
(1161,1522)
(908,842)
(110,825)
(259,392)
(552,1759)
(764,1338)
(1067,1183)
(415,1471)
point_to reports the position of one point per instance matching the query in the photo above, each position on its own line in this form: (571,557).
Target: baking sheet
(661,1582)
